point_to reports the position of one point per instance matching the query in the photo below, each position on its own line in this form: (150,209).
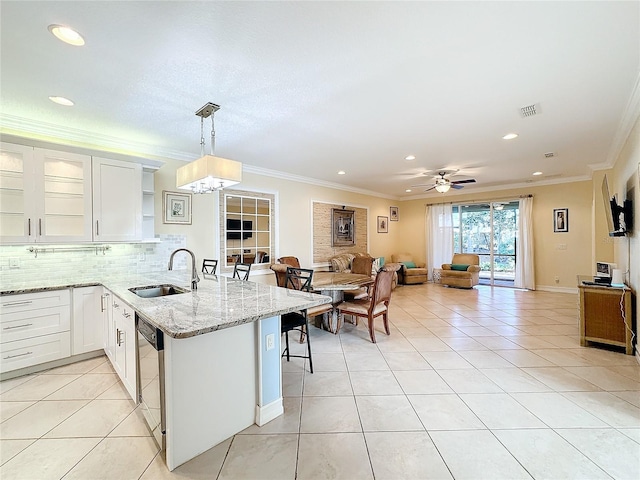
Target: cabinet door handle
(15,304)
(19,355)
(115,305)
(40,227)
(29,227)
(18,326)
(119,337)
(97,228)
(103,305)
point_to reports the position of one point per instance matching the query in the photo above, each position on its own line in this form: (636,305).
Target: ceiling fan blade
(430,188)
(457,187)
(469,180)
(423,185)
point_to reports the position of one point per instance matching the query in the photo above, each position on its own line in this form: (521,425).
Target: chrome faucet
(194,274)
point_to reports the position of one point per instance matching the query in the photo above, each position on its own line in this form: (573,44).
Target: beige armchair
(463,271)
(411,272)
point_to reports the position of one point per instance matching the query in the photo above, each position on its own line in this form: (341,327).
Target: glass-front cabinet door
(65,196)
(247,229)
(45,195)
(17,188)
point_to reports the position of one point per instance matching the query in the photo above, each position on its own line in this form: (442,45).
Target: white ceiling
(310,88)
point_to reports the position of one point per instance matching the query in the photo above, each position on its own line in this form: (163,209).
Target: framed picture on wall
(342,227)
(383,224)
(560,220)
(393,214)
(176,207)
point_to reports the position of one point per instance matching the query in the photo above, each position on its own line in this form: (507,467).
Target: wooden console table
(601,319)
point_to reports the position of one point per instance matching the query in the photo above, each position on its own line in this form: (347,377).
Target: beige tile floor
(489,383)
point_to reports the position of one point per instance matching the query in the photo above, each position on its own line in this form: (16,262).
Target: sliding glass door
(489,230)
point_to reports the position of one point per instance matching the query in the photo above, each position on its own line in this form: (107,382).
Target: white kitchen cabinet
(148,207)
(88,319)
(45,195)
(35,328)
(117,200)
(125,345)
(108,327)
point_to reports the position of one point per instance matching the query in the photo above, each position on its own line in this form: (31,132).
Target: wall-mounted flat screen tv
(619,217)
(234,224)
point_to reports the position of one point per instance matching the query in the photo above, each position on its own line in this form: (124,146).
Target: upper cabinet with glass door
(45,195)
(247,229)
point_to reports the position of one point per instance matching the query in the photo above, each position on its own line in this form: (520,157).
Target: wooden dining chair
(241,270)
(209,266)
(377,304)
(361,266)
(297,279)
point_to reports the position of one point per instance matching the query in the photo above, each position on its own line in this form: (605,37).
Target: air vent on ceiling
(549,155)
(530,110)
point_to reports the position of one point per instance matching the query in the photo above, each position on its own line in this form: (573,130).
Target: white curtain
(439,235)
(525,275)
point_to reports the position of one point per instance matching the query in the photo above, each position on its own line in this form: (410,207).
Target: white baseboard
(268,412)
(551,288)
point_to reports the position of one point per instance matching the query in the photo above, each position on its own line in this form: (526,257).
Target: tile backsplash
(17,263)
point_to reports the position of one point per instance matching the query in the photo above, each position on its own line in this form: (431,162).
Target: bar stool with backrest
(241,270)
(209,266)
(297,279)
(376,305)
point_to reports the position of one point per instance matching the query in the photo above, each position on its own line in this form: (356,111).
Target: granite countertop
(219,302)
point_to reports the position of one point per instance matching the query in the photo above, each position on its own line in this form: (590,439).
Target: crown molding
(499,188)
(312,181)
(629,118)
(49,132)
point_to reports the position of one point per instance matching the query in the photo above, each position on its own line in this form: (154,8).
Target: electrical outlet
(14,262)
(557,279)
(271,341)
(141,257)
(561,246)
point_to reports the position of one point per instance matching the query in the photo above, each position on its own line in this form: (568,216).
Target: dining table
(334,284)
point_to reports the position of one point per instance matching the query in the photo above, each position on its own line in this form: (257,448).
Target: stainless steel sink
(152,291)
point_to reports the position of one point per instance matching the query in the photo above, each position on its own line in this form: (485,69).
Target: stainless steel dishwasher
(151,378)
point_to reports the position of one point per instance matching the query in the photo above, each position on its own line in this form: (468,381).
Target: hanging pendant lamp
(208,173)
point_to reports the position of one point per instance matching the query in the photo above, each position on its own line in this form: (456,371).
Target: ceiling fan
(443,184)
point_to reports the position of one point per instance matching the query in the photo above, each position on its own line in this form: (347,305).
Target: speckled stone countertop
(219,302)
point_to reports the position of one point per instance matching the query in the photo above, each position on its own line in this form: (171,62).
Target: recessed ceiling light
(67,35)
(537,173)
(62,101)
(341,172)
(410,157)
(510,136)
(408,190)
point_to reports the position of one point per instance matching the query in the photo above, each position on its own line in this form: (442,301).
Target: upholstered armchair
(411,272)
(463,271)
(280,269)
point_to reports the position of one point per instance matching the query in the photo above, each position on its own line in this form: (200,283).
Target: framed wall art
(393,214)
(342,227)
(383,224)
(176,207)
(560,220)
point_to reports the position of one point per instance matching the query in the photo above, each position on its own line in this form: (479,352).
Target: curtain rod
(481,201)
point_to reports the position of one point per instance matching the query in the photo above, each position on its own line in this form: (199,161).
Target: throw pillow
(409,264)
(459,266)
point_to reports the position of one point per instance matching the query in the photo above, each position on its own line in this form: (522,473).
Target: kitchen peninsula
(221,350)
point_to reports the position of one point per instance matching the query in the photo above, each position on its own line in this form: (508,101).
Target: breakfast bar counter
(222,368)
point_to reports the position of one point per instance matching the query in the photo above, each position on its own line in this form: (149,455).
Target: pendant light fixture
(208,173)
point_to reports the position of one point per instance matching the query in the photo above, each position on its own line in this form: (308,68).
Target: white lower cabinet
(89,306)
(35,328)
(124,348)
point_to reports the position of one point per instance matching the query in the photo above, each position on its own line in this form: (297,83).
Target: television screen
(613,211)
(234,224)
